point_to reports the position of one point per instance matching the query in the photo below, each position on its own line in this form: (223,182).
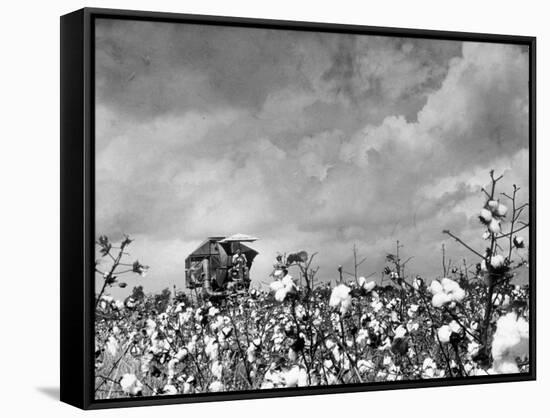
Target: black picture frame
(77,204)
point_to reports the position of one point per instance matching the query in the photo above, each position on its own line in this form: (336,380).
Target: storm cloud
(307,140)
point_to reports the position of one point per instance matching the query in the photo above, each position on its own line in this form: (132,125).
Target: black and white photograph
(281,208)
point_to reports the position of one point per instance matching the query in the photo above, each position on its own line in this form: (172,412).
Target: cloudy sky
(307,140)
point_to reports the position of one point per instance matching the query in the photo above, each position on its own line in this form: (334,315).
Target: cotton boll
(215,386)
(501,210)
(280,295)
(506,366)
(455,326)
(429,368)
(213,311)
(435,287)
(453,289)
(492,205)
(345,305)
(130,384)
(292,355)
(181,354)
(276,285)
(494,226)
(172,367)
(296,376)
(440,299)
(400,332)
(340,298)
(483,266)
(485,216)
(216,368)
(251,353)
(367,286)
(510,341)
(112,346)
(288,282)
(486,235)
(444,334)
(473,349)
(497,261)
(169,390)
(211,349)
(150,327)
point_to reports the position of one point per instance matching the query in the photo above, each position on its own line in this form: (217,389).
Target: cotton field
(473,320)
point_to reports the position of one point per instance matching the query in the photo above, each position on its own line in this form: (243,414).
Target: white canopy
(240,238)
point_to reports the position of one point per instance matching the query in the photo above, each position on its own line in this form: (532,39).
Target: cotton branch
(449,233)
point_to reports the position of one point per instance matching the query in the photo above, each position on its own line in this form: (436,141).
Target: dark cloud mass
(308,140)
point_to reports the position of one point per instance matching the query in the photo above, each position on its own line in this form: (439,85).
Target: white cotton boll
(492,204)
(497,261)
(251,353)
(453,290)
(169,390)
(454,326)
(172,367)
(494,226)
(187,388)
(501,210)
(300,312)
(485,216)
(292,355)
(345,305)
(400,332)
(505,366)
(429,368)
(296,376)
(339,293)
(280,294)
(435,287)
(340,298)
(216,368)
(215,386)
(150,327)
(288,282)
(146,362)
(118,305)
(276,285)
(483,266)
(377,306)
(486,235)
(440,299)
(368,286)
(412,326)
(511,339)
(213,311)
(444,334)
(211,350)
(473,349)
(181,354)
(112,345)
(130,384)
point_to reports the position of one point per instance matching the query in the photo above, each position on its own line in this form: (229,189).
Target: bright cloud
(307,140)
